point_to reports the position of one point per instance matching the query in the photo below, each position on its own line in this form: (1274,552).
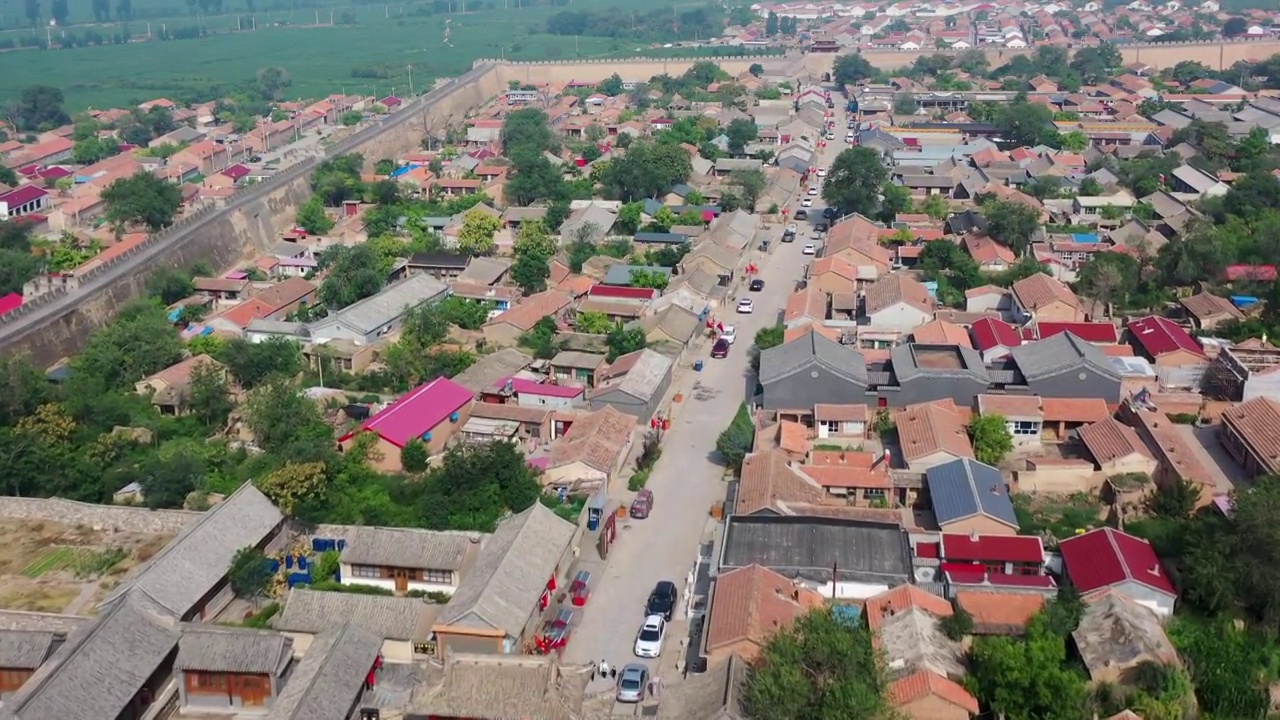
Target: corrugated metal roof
(964,488)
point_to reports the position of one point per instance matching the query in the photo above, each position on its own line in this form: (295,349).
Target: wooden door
(251,690)
(402,581)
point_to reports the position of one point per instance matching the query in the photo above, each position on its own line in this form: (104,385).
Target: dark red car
(720,349)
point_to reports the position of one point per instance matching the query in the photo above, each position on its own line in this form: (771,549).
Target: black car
(829,212)
(719,350)
(820,226)
(801,214)
(662,601)
(756,285)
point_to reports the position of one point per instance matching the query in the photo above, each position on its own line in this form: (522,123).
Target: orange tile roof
(530,310)
(986,251)
(1257,423)
(244,313)
(848,469)
(575,285)
(809,302)
(904,597)
(796,333)
(793,437)
(1080,410)
(1011,406)
(897,288)
(1110,440)
(923,683)
(753,602)
(767,478)
(926,429)
(1038,290)
(941,332)
(1000,613)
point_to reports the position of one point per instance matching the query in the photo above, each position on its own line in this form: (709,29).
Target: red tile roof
(992,548)
(752,603)
(990,333)
(923,683)
(23,195)
(235,172)
(417,412)
(1094,332)
(10,302)
(1105,557)
(903,597)
(966,574)
(1159,336)
(1000,613)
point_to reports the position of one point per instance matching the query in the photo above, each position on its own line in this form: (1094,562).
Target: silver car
(633,681)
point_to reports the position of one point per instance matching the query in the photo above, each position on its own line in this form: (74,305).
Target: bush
(335,586)
(736,440)
(650,451)
(957,625)
(638,480)
(414,457)
(261,620)
(434,596)
(1184,418)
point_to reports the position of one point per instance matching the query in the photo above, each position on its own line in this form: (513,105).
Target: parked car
(720,349)
(820,227)
(729,333)
(822,172)
(662,601)
(810,249)
(829,212)
(746,306)
(791,229)
(802,214)
(806,202)
(756,285)
(632,683)
(642,504)
(788,236)
(650,636)
(813,190)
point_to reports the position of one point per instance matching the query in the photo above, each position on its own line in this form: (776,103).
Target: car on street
(822,172)
(813,190)
(720,349)
(642,505)
(820,227)
(650,636)
(662,601)
(810,249)
(829,212)
(633,680)
(791,228)
(802,214)
(729,333)
(746,306)
(831,136)
(848,137)
(756,285)
(806,202)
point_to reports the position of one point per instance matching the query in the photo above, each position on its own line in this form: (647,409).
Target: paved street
(687,480)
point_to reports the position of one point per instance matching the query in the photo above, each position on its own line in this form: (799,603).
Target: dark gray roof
(965,488)
(26,649)
(402,547)
(955,361)
(799,354)
(388,304)
(196,560)
(41,622)
(205,648)
(442,260)
(1061,353)
(331,676)
(511,572)
(506,686)
(390,618)
(100,668)
(809,547)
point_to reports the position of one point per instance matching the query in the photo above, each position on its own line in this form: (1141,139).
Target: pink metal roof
(10,302)
(23,195)
(1106,557)
(989,333)
(992,548)
(1094,332)
(616,291)
(235,172)
(417,412)
(1158,336)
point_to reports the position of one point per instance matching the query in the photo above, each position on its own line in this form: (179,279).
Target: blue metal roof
(1243,300)
(964,488)
(1090,238)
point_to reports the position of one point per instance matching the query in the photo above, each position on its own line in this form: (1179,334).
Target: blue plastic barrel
(697,366)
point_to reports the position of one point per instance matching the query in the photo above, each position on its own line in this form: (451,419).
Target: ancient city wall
(113,518)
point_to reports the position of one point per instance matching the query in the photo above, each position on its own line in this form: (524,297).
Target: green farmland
(370,55)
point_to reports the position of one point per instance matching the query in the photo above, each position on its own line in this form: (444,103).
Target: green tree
(766,337)
(642,278)
(991,439)
(92,149)
(750,184)
(1026,678)
(1234,27)
(895,199)
(466,314)
(854,181)
(740,131)
(647,170)
(169,285)
(1074,141)
(905,104)
(1022,123)
(141,199)
(414,457)
(139,342)
(623,340)
(209,397)
(1011,224)
(249,574)
(38,107)
(167,480)
(527,129)
(313,218)
(529,272)
(735,441)
(476,235)
(770,25)
(611,86)
(936,207)
(851,69)
(292,484)
(592,323)
(1109,277)
(353,274)
(821,667)
(252,364)
(286,422)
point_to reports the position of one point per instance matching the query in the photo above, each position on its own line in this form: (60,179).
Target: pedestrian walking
(613,673)
(604,668)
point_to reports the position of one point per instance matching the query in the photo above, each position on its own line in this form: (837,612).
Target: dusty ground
(52,567)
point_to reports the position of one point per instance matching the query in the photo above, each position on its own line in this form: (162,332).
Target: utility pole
(410,68)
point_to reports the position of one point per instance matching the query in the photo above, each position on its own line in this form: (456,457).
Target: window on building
(831,426)
(1024,427)
(366,571)
(209,681)
(874,494)
(439,577)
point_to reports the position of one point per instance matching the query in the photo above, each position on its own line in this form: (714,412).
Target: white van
(848,137)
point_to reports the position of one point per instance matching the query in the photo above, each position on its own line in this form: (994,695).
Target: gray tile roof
(1060,353)
(26,649)
(41,622)
(489,369)
(506,686)
(330,677)
(511,572)
(205,648)
(180,575)
(645,376)
(389,618)
(390,303)
(965,488)
(809,547)
(578,359)
(675,321)
(789,358)
(485,270)
(100,668)
(402,547)
(914,360)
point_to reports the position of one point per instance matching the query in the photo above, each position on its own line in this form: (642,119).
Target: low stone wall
(115,518)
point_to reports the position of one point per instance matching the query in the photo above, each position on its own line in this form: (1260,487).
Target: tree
(1026,678)
(414,457)
(208,397)
(271,80)
(1234,27)
(337,179)
(756,69)
(478,229)
(354,274)
(1176,500)
(854,181)
(905,104)
(1011,224)
(611,86)
(252,364)
(735,441)
(648,170)
(642,278)
(139,342)
(1109,277)
(102,10)
(771,25)
(766,337)
(141,199)
(530,272)
(167,479)
(1074,141)
(249,574)
(33,11)
(739,132)
(39,106)
(293,483)
(894,199)
(313,218)
(851,69)
(623,340)
(286,422)
(526,129)
(991,439)
(92,149)
(59,11)
(750,185)
(1022,123)
(124,9)
(592,323)
(822,666)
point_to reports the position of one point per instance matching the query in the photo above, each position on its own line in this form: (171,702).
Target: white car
(806,202)
(729,334)
(649,638)
(813,190)
(745,306)
(810,249)
(822,172)
(831,136)
(791,228)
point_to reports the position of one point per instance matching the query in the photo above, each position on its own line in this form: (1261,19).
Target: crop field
(370,55)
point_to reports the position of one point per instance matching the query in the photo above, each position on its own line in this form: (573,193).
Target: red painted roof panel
(1106,557)
(1158,336)
(417,412)
(992,548)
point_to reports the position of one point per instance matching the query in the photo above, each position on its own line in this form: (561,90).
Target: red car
(720,349)
(643,504)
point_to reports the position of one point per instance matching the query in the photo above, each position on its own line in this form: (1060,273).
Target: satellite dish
(926,574)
